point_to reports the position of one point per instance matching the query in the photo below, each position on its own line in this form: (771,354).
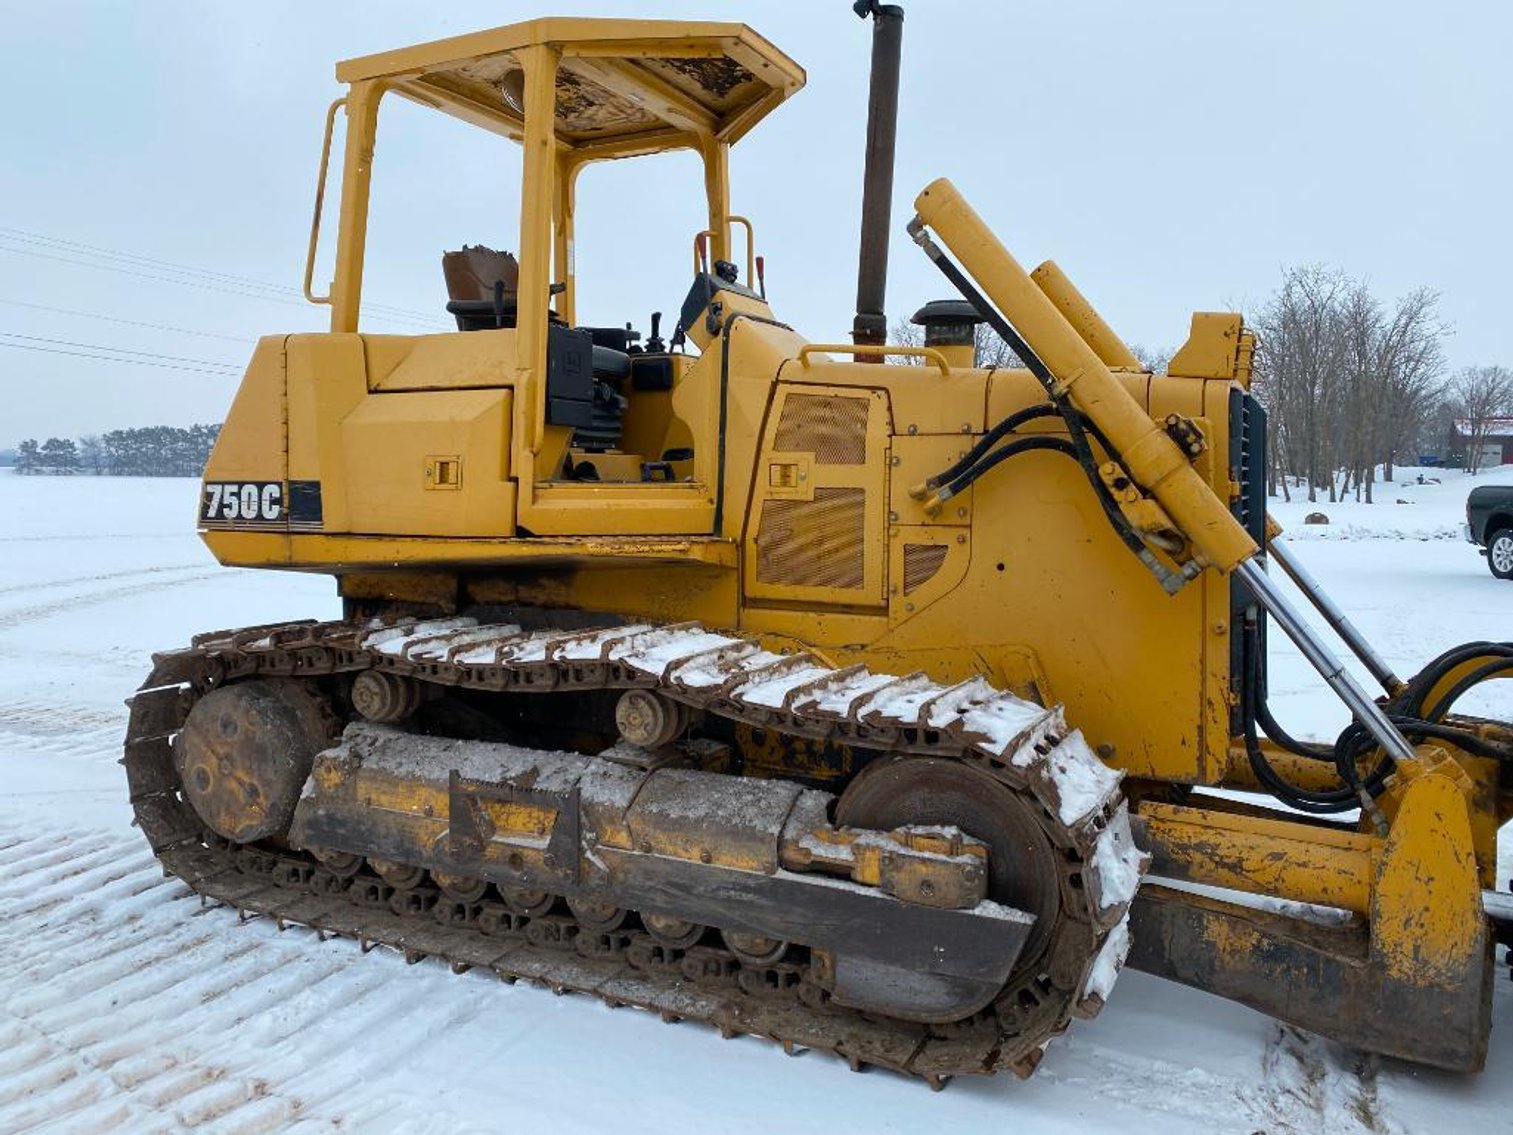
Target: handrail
(701,249)
(320,197)
(750,248)
(868,349)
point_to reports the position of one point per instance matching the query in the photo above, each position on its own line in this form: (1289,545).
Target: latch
(444,472)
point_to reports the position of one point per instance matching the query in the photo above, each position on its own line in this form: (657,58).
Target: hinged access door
(818,522)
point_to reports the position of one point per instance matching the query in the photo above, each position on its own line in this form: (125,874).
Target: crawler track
(1079,808)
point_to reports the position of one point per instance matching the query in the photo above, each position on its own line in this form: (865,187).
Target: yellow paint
(1213,347)
(1300,862)
(1426,912)
(1088,324)
(1032,588)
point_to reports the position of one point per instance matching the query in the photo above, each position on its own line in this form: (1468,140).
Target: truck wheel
(1500,553)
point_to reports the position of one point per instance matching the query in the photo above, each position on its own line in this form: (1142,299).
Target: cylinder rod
(1366,711)
(871,324)
(1335,617)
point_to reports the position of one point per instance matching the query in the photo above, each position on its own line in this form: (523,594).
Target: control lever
(654,344)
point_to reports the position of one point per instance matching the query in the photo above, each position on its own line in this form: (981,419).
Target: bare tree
(1410,361)
(1154,360)
(92,454)
(1485,394)
(1348,382)
(1299,368)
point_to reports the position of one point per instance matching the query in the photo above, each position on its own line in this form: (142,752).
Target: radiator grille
(814,543)
(921,562)
(833,429)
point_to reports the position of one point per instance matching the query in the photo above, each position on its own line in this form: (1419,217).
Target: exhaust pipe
(870,328)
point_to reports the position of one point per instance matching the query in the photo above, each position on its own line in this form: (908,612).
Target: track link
(1029,749)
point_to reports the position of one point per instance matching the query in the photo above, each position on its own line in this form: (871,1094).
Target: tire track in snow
(1306,1086)
(48,719)
(1311,1086)
(75,581)
(126,1005)
(24,615)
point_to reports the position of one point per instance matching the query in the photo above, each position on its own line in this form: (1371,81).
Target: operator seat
(482,287)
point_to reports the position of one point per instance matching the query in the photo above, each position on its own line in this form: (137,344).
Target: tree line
(150,451)
(1353,384)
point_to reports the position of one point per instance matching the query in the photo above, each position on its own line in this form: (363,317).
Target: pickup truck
(1489,522)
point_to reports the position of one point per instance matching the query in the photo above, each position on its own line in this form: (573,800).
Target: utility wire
(133,257)
(94,315)
(116,359)
(208,286)
(196,284)
(118,350)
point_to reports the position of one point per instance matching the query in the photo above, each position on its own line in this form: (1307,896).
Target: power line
(77,247)
(115,359)
(118,350)
(133,257)
(93,315)
(198,285)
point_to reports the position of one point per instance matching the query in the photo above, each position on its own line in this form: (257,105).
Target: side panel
(430,463)
(327,381)
(254,443)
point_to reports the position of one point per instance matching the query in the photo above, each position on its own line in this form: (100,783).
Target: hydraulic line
(1490,669)
(1395,747)
(990,439)
(1304,800)
(1410,700)
(1007,426)
(1021,445)
(1328,802)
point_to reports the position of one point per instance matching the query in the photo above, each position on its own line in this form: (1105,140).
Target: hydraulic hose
(1007,426)
(1018,446)
(1487,670)
(1315,802)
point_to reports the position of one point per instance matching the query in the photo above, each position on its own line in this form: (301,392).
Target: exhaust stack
(870,327)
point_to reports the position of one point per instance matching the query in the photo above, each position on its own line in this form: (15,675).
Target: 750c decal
(235,504)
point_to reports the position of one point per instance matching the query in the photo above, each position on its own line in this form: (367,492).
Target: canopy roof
(623,86)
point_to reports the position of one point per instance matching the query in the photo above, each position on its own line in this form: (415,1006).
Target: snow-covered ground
(125,1006)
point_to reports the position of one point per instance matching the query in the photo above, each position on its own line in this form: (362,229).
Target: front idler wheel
(245,752)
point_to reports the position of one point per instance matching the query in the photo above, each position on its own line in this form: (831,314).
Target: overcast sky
(1171,156)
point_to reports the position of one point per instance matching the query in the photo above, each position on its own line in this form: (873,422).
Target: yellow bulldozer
(885,710)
